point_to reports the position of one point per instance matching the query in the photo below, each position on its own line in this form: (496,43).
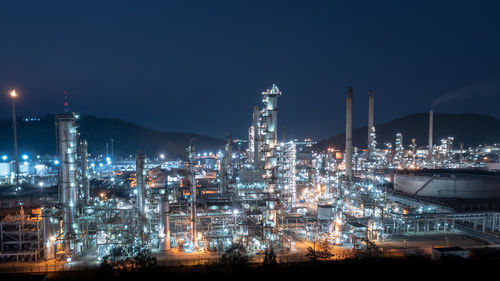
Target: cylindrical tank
(325,212)
(449,185)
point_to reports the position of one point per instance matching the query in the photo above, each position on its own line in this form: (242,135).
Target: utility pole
(13,95)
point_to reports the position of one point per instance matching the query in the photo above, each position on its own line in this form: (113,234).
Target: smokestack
(370,111)
(431,131)
(370,122)
(348,135)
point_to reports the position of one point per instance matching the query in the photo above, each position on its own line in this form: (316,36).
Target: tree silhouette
(370,251)
(127,259)
(324,251)
(235,256)
(269,258)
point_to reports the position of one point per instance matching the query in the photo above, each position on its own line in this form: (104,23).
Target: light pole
(13,96)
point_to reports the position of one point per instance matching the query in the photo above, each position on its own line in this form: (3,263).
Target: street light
(13,96)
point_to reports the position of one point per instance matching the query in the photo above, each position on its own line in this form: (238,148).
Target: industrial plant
(264,192)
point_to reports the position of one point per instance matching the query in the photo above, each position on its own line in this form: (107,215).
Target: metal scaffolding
(21,238)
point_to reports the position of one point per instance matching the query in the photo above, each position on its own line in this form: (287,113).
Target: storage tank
(449,183)
(325,212)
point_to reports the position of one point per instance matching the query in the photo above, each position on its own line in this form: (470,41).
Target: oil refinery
(263,192)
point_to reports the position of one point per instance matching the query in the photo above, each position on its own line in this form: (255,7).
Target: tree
(117,259)
(370,251)
(235,255)
(324,251)
(144,259)
(269,258)
(126,259)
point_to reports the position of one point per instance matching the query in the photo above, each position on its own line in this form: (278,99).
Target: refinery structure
(262,192)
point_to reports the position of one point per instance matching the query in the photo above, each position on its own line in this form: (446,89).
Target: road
(396,247)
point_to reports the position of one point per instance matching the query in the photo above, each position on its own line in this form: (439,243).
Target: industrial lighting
(13,95)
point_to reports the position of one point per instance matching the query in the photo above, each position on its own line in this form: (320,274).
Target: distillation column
(270,117)
(67,145)
(348,135)
(192,192)
(140,166)
(85,173)
(256,137)
(164,223)
(225,167)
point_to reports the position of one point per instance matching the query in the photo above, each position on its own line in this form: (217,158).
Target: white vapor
(477,90)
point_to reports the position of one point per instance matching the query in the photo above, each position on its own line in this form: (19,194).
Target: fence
(46,267)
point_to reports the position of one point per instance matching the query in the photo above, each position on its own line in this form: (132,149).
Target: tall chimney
(348,135)
(431,131)
(370,111)
(370,121)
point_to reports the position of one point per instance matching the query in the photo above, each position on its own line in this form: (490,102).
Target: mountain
(38,136)
(469,128)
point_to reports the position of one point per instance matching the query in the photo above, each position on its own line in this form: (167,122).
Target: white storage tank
(468,184)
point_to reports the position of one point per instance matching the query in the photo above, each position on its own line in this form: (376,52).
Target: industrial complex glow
(260,192)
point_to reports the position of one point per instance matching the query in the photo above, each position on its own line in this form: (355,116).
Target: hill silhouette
(38,136)
(470,128)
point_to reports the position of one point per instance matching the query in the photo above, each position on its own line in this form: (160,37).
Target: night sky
(200,66)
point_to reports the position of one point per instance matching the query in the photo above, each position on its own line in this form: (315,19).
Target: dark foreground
(369,269)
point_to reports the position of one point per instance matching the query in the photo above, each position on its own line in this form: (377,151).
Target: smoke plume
(482,89)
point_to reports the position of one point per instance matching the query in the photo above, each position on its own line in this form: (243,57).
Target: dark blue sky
(200,66)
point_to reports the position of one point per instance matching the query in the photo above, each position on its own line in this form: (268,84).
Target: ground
(396,247)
